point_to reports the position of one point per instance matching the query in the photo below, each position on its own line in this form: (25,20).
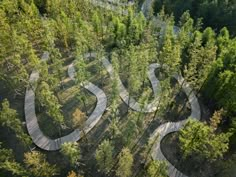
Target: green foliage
(71,151)
(7,162)
(68,29)
(82,73)
(157,169)
(169,55)
(114,129)
(130,131)
(202,55)
(217,14)
(104,156)
(125,163)
(221,84)
(38,166)
(197,138)
(10,119)
(50,102)
(115,82)
(216,119)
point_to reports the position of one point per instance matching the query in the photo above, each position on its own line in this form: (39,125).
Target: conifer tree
(169,55)
(125,163)
(50,102)
(9,118)
(115,83)
(38,166)
(104,156)
(157,169)
(197,138)
(8,162)
(71,151)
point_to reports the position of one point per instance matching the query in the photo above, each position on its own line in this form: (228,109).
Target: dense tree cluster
(69,29)
(215,13)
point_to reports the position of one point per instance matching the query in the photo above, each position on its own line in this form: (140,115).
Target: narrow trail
(124,94)
(46,143)
(170,127)
(33,128)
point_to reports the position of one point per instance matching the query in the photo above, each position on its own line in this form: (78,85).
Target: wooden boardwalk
(33,128)
(124,94)
(170,127)
(48,144)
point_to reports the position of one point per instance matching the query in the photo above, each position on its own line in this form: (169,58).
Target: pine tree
(50,102)
(48,78)
(8,163)
(13,71)
(97,24)
(197,138)
(114,129)
(202,54)
(81,77)
(37,165)
(119,32)
(133,76)
(115,84)
(165,98)
(143,59)
(78,118)
(125,163)
(71,151)
(169,55)
(131,131)
(157,169)
(81,71)
(10,118)
(186,28)
(104,156)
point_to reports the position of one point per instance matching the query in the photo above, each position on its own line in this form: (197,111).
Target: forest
(214,13)
(99,88)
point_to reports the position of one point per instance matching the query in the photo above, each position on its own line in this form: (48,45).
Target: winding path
(166,128)
(33,128)
(170,127)
(46,143)
(125,95)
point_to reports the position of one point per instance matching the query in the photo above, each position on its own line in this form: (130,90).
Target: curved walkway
(125,95)
(166,128)
(37,135)
(152,77)
(109,6)
(49,144)
(170,127)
